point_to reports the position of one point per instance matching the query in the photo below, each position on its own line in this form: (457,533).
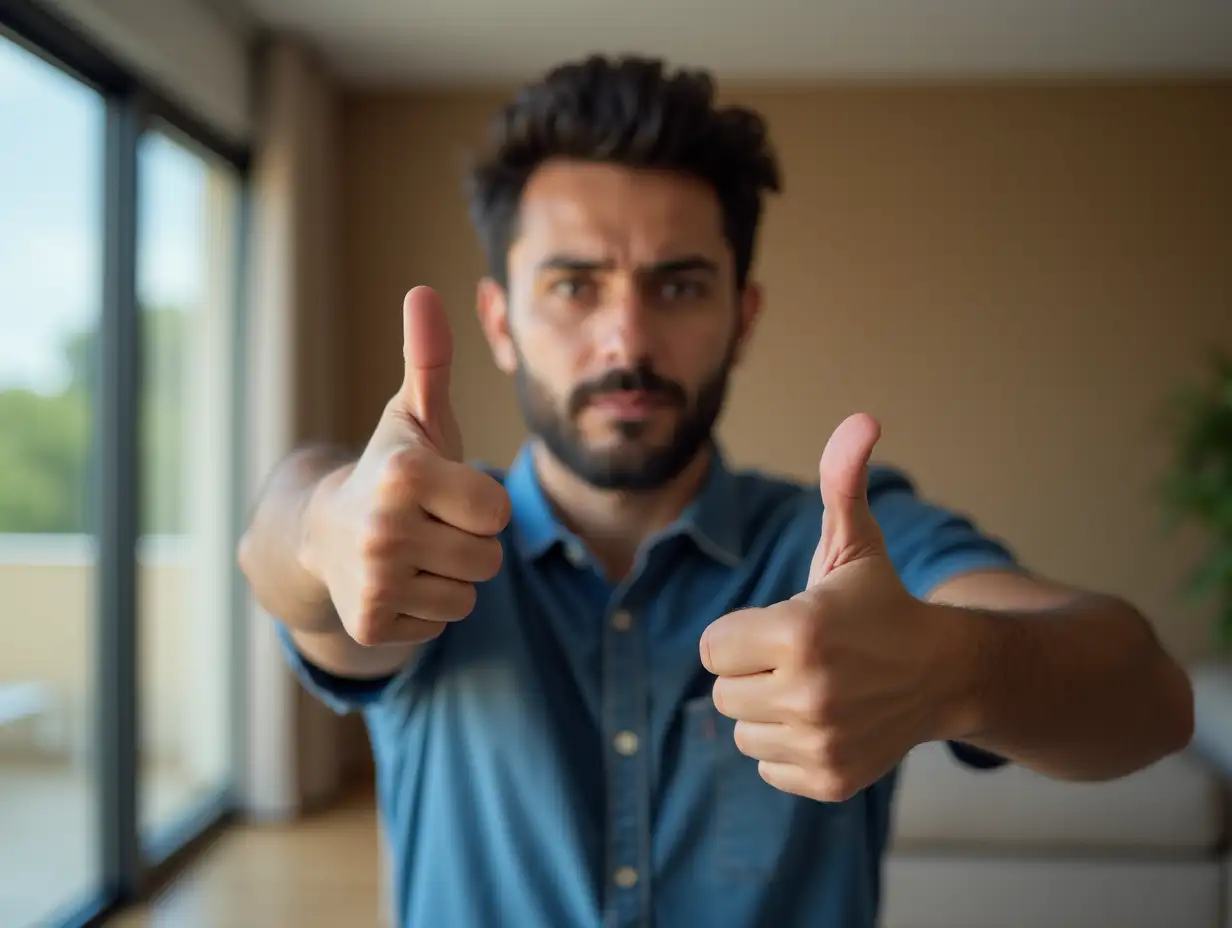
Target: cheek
(700,356)
(551,358)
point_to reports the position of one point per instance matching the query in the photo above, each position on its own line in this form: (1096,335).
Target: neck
(614,523)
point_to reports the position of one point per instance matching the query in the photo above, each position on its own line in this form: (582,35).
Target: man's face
(622,320)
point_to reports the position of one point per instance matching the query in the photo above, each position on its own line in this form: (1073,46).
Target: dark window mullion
(116,502)
(238,676)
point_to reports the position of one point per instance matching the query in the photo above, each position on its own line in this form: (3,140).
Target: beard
(629,464)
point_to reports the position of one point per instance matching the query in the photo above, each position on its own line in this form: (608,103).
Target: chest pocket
(749,824)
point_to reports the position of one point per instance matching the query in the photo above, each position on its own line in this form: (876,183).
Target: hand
(833,687)
(400,539)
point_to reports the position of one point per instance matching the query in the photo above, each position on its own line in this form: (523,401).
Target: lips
(628,403)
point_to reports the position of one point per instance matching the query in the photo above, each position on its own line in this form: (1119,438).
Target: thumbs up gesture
(402,537)
(831,688)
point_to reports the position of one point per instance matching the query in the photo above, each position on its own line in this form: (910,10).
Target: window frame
(133,106)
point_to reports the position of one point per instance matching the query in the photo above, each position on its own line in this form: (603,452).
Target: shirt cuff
(341,694)
(976,758)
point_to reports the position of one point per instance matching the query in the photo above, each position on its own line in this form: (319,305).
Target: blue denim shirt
(555,759)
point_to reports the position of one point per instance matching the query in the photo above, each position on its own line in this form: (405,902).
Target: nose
(624,336)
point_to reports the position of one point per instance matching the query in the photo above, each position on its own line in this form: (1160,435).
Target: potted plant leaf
(1197,488)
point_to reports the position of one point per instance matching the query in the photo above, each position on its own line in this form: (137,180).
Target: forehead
(629,215)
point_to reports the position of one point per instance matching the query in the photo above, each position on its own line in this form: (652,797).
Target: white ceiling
(402,42)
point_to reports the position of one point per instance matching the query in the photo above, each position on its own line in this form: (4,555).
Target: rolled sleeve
(341,694)
(929,545)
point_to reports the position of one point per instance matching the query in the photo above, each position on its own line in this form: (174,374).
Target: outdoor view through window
(51,293)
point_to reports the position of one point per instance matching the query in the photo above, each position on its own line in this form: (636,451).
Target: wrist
(966,668)
(316,516)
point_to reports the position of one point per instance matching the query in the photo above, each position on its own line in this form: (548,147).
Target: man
(624,683)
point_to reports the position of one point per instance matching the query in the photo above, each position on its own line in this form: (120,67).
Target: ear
(750,310)
(492,307)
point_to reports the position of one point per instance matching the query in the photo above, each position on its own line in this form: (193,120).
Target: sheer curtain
(295,745)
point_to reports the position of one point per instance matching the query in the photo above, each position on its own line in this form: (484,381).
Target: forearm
(270,550)
(271,556)
(1082,691)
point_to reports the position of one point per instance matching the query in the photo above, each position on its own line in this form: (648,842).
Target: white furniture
(1010,849)
(28,703)
(20,701)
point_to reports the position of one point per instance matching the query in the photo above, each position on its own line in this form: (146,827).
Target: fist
(832,688)
(401,539)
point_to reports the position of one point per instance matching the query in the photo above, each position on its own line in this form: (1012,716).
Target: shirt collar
(712,519)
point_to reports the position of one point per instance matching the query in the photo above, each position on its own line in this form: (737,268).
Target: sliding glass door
(186,286)
(121,230)
(51,207)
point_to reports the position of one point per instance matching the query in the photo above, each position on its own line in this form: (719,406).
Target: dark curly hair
(629,111)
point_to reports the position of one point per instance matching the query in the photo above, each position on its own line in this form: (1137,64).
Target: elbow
(243,554)
(1163,705)
(252,564)
(247,558)
(1178,727)
(1170,691)
(1167,700)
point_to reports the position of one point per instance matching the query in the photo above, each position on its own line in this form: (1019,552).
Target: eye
(681,289)
(572,288)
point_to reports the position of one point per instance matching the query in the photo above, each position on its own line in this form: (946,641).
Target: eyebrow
(680,265)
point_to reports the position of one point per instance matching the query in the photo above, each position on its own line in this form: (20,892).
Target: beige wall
(1010,278)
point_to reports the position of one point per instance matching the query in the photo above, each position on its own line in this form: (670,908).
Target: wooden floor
(49,830)
(322,872)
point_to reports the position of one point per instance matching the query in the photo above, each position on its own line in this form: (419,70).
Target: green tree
(46,450)
(43,445)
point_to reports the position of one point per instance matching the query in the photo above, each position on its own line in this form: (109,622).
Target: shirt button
(622,621)
(574,554)
(625,743)
(625,877)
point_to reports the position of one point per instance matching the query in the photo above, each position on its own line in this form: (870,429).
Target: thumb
(427,352)
(848,530)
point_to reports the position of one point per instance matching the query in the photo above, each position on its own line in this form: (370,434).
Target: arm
(1071,684)
(365,560)
(272,557)
(914,627)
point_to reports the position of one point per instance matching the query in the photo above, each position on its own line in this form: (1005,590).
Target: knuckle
(404,474)
(822,750)
(374,590)
(378,540)
(466,599)
(740,737)
(366,630)
(501,507)
(491,509)
(493,558)
(804,638)
(429,631)
(814,702)
(836,787)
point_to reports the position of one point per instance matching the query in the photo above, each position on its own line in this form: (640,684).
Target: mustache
(640,378)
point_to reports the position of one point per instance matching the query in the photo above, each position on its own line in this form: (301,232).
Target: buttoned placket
(627,763)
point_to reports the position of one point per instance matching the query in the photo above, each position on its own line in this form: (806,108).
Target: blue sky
(51,149)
